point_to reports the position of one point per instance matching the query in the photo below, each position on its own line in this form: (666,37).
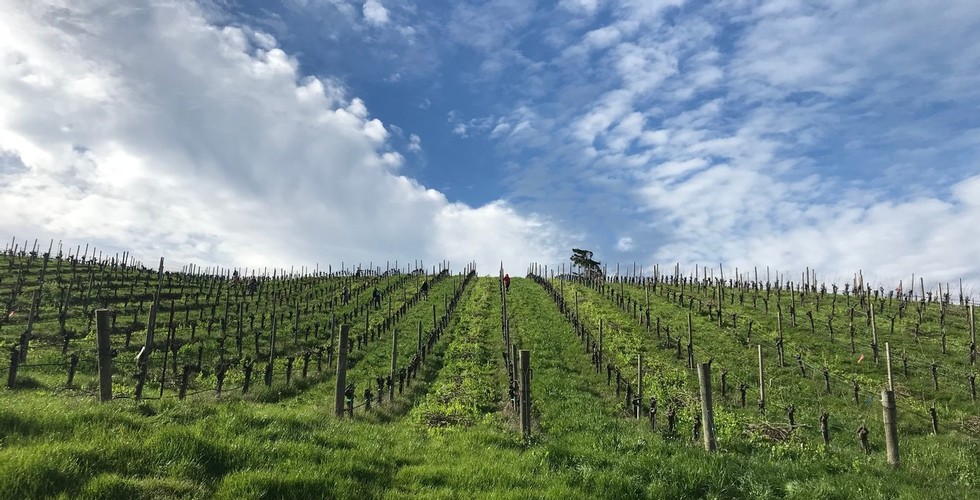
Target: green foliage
(586,264)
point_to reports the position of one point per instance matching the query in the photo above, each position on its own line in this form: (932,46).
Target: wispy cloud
(749,131)
(414,143)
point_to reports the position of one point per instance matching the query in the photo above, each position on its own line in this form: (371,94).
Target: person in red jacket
(507,282)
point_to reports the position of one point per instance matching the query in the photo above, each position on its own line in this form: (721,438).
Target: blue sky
(838,135)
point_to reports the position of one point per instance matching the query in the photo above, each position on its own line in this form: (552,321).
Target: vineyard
(126,380)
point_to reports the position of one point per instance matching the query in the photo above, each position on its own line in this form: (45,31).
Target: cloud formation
(375,13)
(830,135)
(150,127)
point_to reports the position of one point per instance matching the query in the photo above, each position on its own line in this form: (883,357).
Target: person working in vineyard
(506,282)
(425,289)
(376,297)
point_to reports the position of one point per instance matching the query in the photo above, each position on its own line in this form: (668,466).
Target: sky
(835,135)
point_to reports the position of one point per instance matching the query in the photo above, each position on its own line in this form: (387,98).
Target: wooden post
(26,337)
(707,411)
(973,327)
(888,364)
(639,384)
(151,324)
(600,346)
(105,354)
(12,371)
(341,382)
(515,363)
(779,331)
(525,361)
(825,428)
(72,366)
(184,379)
(762,383)
(270,366)
(874,331)
(890,419)
(690,342)
(394,364)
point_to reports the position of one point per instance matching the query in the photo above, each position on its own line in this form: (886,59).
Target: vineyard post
(270,367)
(890,420)
(525,361)
(151,324)
(72,366)
(721,295)
(762,383)
(394,363)
(341,384)
(779,330)
(690,342)
(888,365)
(874,332)
(973,326)
(973,336)
(599,356)
(105,354)
(184,378)
(26,337)
(12,371)
(707,412)
(639,384)
(515,362)
(333,329)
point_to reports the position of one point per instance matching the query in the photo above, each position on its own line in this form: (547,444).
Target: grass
(452,435)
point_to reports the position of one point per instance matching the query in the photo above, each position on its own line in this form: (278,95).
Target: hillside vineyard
(129,380)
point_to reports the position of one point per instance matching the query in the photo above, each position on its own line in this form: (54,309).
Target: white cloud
(587,7)
(488,25)
(791,133)
(414,143)
(375,13)
(887,240)
(153,130)
(494,233)
(624,244)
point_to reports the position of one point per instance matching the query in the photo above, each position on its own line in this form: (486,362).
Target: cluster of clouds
(835,135)
(832,135)
(149,127)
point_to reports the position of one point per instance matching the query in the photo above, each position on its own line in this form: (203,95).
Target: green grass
(452,434)
(471,383)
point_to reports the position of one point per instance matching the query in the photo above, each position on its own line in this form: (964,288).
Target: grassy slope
(73,447)
(932,464)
